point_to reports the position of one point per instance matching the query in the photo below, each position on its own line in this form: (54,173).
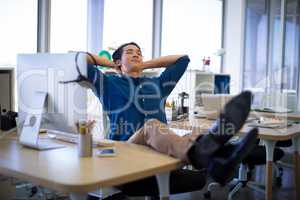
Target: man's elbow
(184,59)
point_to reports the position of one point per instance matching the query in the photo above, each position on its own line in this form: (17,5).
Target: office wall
(233,42)
(5,93)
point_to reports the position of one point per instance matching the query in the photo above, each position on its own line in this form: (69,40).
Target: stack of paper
(270,123)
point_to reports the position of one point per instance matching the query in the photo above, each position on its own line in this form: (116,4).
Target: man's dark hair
(118,52)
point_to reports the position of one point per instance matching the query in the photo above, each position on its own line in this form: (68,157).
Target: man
(129,99)
(135,106)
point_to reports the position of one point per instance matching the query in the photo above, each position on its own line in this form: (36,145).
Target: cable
(80,77)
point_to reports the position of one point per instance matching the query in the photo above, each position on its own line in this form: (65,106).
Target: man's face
(131,58)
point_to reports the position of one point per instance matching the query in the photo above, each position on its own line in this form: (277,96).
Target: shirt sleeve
(172,74)
(98,79)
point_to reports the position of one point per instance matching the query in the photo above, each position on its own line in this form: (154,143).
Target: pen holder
(85,145)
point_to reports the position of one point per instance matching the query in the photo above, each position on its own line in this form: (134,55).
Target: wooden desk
(269,138)
(62,170)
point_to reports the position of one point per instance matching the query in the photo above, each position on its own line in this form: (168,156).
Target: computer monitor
(43,102)
(214,103)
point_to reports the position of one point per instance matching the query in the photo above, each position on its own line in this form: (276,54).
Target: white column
(157,28)
(234,42)
(43,26)
(95,26)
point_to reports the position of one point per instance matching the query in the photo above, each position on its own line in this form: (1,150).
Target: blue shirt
(129,101)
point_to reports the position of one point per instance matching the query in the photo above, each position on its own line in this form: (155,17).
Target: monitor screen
(65,103)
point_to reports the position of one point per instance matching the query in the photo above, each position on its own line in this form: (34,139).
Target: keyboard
(44,144)
(62,136)
(73,138)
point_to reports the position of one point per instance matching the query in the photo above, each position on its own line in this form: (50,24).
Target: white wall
(233,42)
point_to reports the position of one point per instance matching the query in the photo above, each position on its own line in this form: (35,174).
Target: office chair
(181,181)
(279,170)
(256,157)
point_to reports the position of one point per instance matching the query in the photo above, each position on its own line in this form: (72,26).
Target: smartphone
(106,152)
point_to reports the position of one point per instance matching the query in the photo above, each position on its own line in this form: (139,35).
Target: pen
(82,127)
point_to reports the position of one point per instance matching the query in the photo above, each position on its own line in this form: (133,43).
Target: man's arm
(103,61)
(96,77)
(171,75)
(160,62)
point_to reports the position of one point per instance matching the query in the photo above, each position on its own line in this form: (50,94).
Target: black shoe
(229,123)
(222,169)
(232,117)
(202,150)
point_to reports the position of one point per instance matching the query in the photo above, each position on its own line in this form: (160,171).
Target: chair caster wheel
(207,195)
(33,191)
(278,181)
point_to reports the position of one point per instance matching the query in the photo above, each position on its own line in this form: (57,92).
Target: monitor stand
(30,132)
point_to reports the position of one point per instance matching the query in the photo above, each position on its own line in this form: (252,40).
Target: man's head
(129,56)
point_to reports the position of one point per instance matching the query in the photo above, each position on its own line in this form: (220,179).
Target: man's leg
(201,151)
(158,136)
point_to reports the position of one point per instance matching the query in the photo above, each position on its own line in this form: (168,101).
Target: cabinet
(210,83)
(196,82)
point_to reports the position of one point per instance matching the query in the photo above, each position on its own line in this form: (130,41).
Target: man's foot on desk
(224,164)
(231,120)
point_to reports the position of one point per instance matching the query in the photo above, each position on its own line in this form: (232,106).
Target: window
(18,19)
(292,46)
(270,64)
(193,27)
(128,21)
(274,76)
(68,26)
(255,70)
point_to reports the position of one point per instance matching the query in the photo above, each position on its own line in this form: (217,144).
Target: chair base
(243,180)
